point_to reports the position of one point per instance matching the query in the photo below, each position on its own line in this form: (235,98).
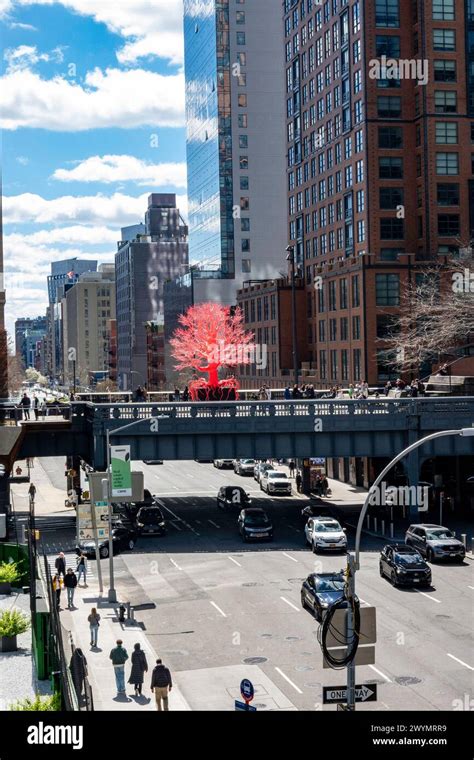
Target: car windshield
(248,461)
(434,535)
(331,526)
(404,558)
(278,475)
(151,515)
(330,584)
(260,519)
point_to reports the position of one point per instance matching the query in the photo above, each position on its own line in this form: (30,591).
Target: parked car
(260,468)
(320,590)
(254,524)
(123,536)
(435,542)
(323,533)
(223,463)
(275,481)
(244,466)
(150,521)
(233,496)
(131,508)
(404,566)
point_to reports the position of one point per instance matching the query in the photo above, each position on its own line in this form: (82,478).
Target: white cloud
(117,210)
(25,27)
(123,168)
(150,28)
(23,160)
(112,98)
(26,56)
(75,234)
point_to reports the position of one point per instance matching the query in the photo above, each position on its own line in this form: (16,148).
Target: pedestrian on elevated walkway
(119,657)
(161,685)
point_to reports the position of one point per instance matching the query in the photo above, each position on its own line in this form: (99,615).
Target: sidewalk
(49,500)
(101,672)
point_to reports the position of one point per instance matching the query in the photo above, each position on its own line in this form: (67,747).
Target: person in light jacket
(139,668)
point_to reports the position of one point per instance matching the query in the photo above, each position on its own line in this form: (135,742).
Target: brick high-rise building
(380,162)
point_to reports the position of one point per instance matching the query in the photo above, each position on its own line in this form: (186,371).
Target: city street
(224,607)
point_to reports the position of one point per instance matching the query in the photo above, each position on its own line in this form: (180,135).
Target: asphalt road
(222,604)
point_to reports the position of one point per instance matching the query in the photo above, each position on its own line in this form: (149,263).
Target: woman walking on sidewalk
(57,582)
(94,622)
(139,668)
(81,568)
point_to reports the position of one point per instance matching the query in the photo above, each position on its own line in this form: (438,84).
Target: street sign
(364,656)
(121,471)
(366,692)
(247,690)
(85,523)
(367,632)
(244,707)
(96,491)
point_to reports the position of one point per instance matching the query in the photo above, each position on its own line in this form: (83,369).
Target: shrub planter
(5,587)
(8,644)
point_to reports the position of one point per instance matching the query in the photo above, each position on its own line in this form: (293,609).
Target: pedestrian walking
(32,492)
(299,481)
(57,582)
(70,583)
(42,408)
(94,623)
(292,467)
(60,564)
(287,393)
(139,668)
(36,406)
(25,403)
(161,685)
(81,568)
(119,657)
(186,393)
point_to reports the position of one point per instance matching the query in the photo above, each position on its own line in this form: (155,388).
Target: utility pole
(291,258)
(350,629)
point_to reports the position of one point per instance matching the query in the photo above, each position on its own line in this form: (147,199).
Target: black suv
(233,496)
(435,542)
(150,521)
(404,566)
(255,525)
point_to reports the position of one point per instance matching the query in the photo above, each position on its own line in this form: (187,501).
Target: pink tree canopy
(210,336)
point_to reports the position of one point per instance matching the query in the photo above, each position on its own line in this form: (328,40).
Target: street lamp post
(112,594)
(291,258)
(354,562)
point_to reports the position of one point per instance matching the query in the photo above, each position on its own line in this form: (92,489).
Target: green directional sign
(121,471)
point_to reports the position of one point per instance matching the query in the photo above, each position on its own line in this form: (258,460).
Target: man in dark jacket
(161,684)
(60,564)
(70,583)
(119,656)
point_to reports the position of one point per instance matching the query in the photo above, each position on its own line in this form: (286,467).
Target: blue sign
(247,690)
(244,707)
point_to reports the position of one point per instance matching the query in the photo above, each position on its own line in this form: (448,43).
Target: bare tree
(436,315)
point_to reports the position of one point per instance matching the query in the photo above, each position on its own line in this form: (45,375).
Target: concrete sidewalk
(100,668)
(48,500)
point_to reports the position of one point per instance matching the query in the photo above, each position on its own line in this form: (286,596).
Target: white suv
(324,533)
(274,481)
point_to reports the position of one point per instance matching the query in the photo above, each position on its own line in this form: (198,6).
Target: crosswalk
(71,562)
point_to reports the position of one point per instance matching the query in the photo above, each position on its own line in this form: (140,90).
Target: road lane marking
(176,488)
(214,524)
(177,517)
(290,603)
(234,561)
(289,556)
(389,680)
(363,601)
(283,675)
(218,609)
(428,596)
(175,525)
(460,661)
(175,564)
(471,587)
(198,522)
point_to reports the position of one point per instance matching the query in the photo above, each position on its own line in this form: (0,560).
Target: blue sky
(92,105)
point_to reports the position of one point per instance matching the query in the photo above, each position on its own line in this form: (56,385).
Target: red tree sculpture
(211,337)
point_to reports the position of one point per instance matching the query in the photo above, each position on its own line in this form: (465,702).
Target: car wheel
(104,552)
(131,544)
(460,560)
(430,555)
(314,548)
(393,578)
(303,600)
(381,570)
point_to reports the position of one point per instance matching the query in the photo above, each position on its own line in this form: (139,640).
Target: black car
(124,537)
(404,566)
(254,525)
(131,508)
(233,496)
(150,521)
(321,590)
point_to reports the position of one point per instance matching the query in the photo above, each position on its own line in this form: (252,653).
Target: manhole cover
(255,660)
(292,638)
(266,635)
(444,617)
(407,680)
(303,668)
(252,584)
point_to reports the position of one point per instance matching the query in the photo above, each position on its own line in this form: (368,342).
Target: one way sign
(366,692)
